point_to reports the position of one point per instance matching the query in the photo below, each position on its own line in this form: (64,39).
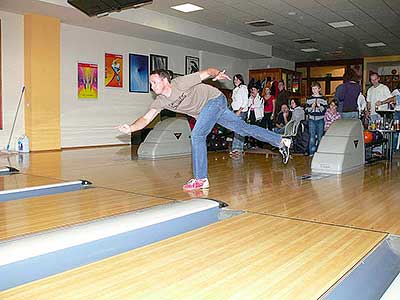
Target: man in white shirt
(394,100)
(376,93)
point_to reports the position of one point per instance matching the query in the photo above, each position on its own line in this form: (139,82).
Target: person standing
(269,108)
(283,98)
(394,101)
(347,95)
(188,95)
(240,104)
(256,111)
(315,109)
(376,93)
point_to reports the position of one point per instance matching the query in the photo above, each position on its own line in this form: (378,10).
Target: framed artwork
(87,80)
(192,64)
(158,62)
(113,70)
(138,73)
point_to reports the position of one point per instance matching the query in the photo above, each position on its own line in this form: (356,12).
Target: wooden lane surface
(18,181)
(367,198)
(111,167)
(31,215)
(246,257)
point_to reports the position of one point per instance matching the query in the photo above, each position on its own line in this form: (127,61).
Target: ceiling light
(304,41)
(341,24)
(309,50)
(262,33)
(259,23)
(318,59)
(372,45)
(187,7)
(292,13)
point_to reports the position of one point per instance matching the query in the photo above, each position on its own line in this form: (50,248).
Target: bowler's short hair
(162,73)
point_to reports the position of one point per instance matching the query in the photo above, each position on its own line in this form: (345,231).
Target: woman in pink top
(331,114)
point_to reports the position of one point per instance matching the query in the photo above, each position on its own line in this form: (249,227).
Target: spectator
(256,110)
(315,109)
(283,118)
(298,114)
(394,101)
(348,94)
(269,108)
(331,114)
(240,104)
(377,93)
(283,98)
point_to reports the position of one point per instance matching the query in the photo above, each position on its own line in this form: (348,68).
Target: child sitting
(331,114)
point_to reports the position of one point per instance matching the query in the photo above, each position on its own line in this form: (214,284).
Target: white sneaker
(195,184)
(285,149)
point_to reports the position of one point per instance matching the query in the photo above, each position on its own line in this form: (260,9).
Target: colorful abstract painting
(138,73)
(87,80)
(113,70)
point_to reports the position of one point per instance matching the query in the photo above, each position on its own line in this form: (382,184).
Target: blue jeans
(238,140)
(216,111)
(349,115)
(316,129)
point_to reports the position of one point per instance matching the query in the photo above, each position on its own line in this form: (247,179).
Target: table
(387,115)
(388,134)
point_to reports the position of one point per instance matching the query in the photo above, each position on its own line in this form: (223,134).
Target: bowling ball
(368,137)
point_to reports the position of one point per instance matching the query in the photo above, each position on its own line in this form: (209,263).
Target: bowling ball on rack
(368,136)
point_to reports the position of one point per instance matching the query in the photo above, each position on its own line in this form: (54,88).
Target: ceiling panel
(394,5)
(374,21)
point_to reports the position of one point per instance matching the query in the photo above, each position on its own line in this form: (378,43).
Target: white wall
(231,65)
(91,122)
(12,61)
(86,122)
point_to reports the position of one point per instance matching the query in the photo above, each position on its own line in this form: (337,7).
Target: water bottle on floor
(22,144)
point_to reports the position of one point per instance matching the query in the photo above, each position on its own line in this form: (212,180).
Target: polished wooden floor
(298,237)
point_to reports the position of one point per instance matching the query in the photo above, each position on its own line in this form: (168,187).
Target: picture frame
(192,64)
(113,70)
(138,73)
(87,80)
(158,62)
